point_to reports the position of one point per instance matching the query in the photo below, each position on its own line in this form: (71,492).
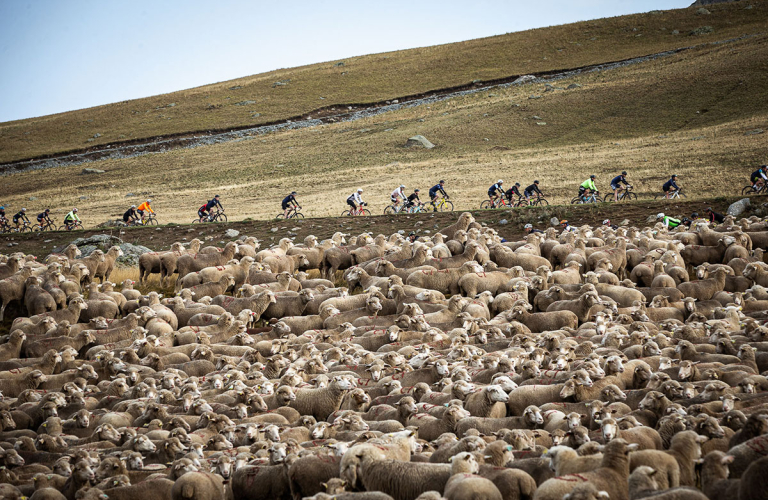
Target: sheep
(642,484)
(580,306)
(464,486)
(197,262)
(444,281)
(257,303)
(12,289)
(530,418)
(645,437)
(198,485)
(746,453)
(489,402)
(611,476)
(544,321)
(704,289)
(322,402)
(714,477)
(400,480)
(105,267)
(564,460)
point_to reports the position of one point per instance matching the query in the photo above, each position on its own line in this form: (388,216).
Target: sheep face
(609,429)
(223,467)
(464,463)
(496,394)
(278,453)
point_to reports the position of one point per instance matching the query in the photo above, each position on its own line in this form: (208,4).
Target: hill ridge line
(190,140)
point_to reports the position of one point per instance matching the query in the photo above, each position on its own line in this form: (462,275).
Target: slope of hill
(295,92)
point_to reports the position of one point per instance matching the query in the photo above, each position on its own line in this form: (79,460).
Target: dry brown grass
(377,77)
(684,114)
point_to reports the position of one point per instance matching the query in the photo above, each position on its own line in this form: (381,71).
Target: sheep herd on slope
(590,365)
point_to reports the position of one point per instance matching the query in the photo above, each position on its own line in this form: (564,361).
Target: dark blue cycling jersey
(533,188)
(212,203)
(757,174)
(288,199)
(434,189)
(619,179)
(496,187)
(670,184)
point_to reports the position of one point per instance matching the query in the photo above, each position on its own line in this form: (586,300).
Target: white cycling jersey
(397,194)
(356,197)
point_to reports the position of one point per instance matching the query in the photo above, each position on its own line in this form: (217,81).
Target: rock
(231,233)
(255,115)
(83,198)
(420,141)
(573,86)
(32,198)
(128,195)
(339,64)
(524,79)
(280,83)
(112,223)
(702,12)
(704,30)
(541,123)
(534,96)
(651,219)
(738,208)
(748,132)
(554,221)
(503,222)
(87,171)
(401,231)
(96,135)
(625,222)
(675,32)
(535,117)
(236,87)
(131,254)
(710,2)
(274,229)
(245,103)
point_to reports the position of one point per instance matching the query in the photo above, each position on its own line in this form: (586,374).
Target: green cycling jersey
(589,184)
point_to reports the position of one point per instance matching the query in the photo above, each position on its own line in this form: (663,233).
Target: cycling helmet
(402,186)
(528,226)
(564,221)
(535,182)
(293,193)
(133,206)
(709,209)
(217,196)
(74,209)
(442,181)
(592,176)
(2,208)
(416,190)
(359,190)
(623,172)
(47,210)
(412,233)
(149,200)
(23,209)
(500,181)
(694,215)
(607,222)
(660,215)
(674,176)
(517,184)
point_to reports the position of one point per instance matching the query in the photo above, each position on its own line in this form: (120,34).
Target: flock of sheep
(601,364)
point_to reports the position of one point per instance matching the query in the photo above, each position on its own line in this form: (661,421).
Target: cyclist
(412,236)
(607,223)
(355,199)
(2,215)
(413,199)
(528,228)
(144,207)
(616,184)
(567,228)
(758,177)
(397,196)
(533,188)
(514,190)
(495,191)
(71,218)
(130,215)
(19,217)
(588,185)
(289,202)
(670,186)
(433,193)
(43,218)
(203,211)
(714,216)
(669,222)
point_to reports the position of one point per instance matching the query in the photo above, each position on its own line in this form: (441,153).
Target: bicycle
(355,212)
(538,200)
(292,213)
(675,194)
(71,226)
(625,195)
(217,216)
(4,227)
(415,209)
(394,209)
(748,189)
(46,225)
(443,205)
(23,228)
(150,220)
(500,202)
(593,197)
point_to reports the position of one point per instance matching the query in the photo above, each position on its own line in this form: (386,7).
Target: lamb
(105,267)
(198,486)
(611,476)
(642,484)
(462,224)
(11,388)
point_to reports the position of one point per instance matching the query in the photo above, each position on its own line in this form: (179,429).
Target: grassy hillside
(261,99)
(691,113)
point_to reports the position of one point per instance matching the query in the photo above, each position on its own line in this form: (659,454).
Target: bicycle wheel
(279,216)
(296,215)
(151,222)
(345,213)
(629,196)
(222,217)
(485,205)
(748,190)
(577,201)
(365,211)
(541,201)
(390,210)
(447,207)
(609,197)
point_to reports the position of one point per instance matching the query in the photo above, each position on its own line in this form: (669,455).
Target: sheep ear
(604,494)
(728,459)
(633,447)
(450,460)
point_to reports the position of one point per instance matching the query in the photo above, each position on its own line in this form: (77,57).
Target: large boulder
(231,233)
(87,171)
(419,141)
(131,254)
(738,208)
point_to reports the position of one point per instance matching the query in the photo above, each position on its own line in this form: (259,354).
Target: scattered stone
(84,197)
(675,32)
(535,117)
(255,115)
(573,86)
(650,219)
(281,83)
(245,103)
(274,229)
(339,64)
(554,221)
(231,233)
(420,120)
(524,79)
(420,141)
(748,132)
(534,96)
(87,171)
(738,207)
(9,244)
(541,123)
(236,87)
(171,105)
(96,135)
(625,222)
(698,138)
(401,231)
(112,223)
(32,198)
(704,30)
(702,12)
(427,231)
(128,195)
(503,222)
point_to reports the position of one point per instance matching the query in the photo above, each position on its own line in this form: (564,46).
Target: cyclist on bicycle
(670,186)
(356,199)
(616,184)
(144,207)
(413,199)
(43,218)
(588,185)
(289,202)
(397,196)
(758,177)
(2,215)
(495,191)
(514,190)
(533,188)
(203,211)
(433,193)
(567,228)
(669,222)
(528,228)
(607,223)
(130,215)
(19,217)
(71,218)
(714,216)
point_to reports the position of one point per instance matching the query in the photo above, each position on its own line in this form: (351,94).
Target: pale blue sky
(59,55)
